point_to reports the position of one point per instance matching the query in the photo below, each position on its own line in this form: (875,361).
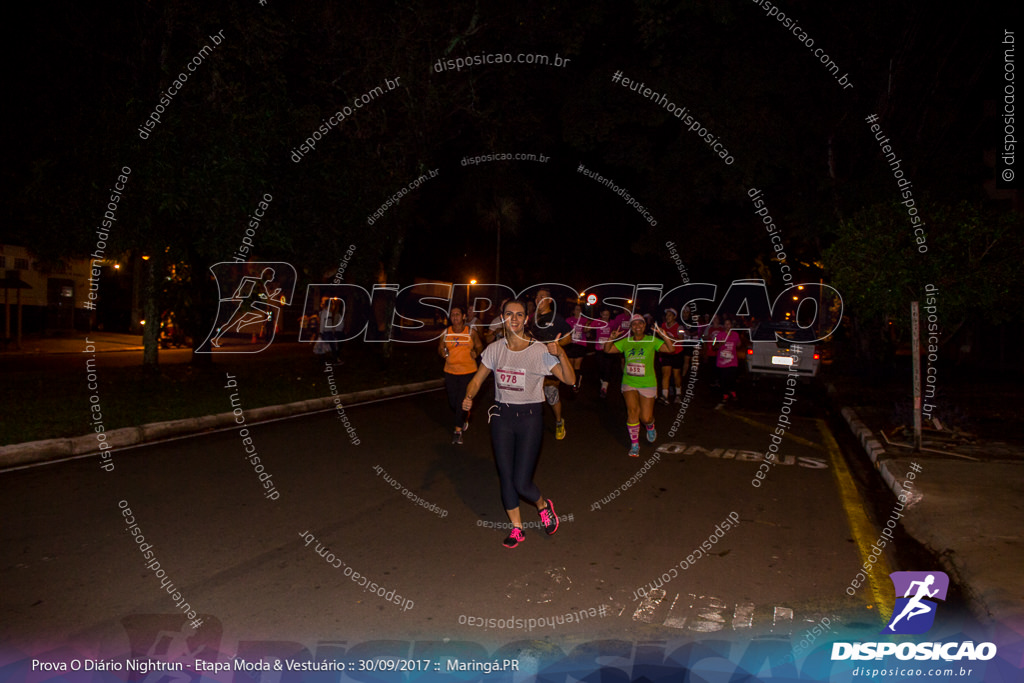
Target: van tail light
(817,356)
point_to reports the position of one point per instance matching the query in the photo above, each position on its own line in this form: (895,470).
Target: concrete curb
(883,462)
(891,471)
(54,449)
(948,558)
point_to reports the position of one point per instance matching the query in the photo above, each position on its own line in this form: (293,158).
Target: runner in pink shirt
(727,361)
(621,322)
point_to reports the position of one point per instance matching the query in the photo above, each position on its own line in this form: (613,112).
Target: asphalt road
(249,565)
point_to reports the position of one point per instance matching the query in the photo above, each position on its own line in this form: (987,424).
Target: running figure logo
(248,305)
(913,613)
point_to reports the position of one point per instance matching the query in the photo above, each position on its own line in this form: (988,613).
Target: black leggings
(516,432)
(727,378)
(456,386)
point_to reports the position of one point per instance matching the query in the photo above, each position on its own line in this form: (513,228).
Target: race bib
(510,379)
(454,340)
(726,354)
(635,369)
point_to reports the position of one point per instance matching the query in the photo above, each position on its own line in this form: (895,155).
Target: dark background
(84,78)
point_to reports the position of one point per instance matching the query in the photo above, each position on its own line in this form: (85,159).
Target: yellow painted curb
(861,528)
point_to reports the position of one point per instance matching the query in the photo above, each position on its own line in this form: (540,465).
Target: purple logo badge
(914,612)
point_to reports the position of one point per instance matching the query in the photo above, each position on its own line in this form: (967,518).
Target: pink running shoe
(548,518)
(515,537)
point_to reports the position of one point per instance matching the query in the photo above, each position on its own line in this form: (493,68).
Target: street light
(150,333)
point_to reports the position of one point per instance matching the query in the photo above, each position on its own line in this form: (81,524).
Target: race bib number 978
(510,379)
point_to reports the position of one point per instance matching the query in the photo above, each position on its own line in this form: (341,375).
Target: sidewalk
(965,504)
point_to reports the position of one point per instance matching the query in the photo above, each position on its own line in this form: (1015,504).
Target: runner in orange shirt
(460,346)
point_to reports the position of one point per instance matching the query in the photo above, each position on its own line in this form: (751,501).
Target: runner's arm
(566,333)
(474,386)
(609,346)
(564,370)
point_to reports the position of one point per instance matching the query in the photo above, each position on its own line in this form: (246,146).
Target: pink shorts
(646,392)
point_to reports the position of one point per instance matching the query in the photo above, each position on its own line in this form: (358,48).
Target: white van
(790,347)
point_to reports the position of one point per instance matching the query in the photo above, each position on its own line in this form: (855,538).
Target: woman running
(520,364)
(676,363)
(639,383)
(602,333)
(578,348)
(460,346)
(330,317)
(727,361)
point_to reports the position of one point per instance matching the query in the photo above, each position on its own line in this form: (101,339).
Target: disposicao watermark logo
(913,614)
(914,610)
(250,302)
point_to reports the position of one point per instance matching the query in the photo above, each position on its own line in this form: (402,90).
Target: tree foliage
(973,259)
(227,138)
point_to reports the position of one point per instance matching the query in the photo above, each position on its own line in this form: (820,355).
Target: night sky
(85,79)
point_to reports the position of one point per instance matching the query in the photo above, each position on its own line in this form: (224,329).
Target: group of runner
(531,350)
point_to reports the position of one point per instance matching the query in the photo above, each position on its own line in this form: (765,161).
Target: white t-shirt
(518,375)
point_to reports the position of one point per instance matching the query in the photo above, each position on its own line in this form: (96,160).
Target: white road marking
(679,448)
(743,616)
(706,613)
(783,619)
(673,621)
(645,610)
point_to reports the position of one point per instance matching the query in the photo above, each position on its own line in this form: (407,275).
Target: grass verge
(51,404)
